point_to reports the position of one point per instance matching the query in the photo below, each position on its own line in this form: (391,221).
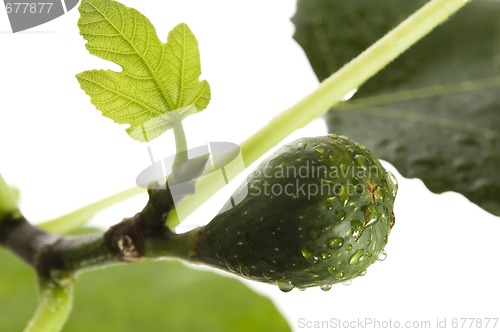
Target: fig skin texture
(317,212)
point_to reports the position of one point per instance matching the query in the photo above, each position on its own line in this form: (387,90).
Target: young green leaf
(157,77)
(434,112)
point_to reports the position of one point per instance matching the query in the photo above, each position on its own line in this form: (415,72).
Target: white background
(442,254)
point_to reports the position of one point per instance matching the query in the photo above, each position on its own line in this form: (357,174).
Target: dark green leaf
(18,292)
(149,296)
(434,112)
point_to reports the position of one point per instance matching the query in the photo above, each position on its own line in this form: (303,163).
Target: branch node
(125,240)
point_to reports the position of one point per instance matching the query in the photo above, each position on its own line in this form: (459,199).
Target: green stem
(350,77)
(78,218)
(181,155)
(173,245)
(54,306)
(331,91)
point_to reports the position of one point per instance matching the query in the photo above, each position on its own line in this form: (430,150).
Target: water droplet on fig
(348,247)
(339,275)
(319,149)
(340,215)
(344,169)
(361,161)
(302,146)
(357,228)
(356,257)
(372,215)
(347,282)
(245,271)
(393,183)
(284,285)
(329,203)
(343,195)
(325,255)
(382,256)
(336,242)
(309,256)
(230,266)
(325,287)
(331,269)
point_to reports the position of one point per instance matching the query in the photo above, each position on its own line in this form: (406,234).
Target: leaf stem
(78,218)
(331,91)
(181,155)
(54,306)
(350,77)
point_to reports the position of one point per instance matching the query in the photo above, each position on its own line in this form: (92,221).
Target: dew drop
(309,256)
(340,215)
(356,257)
(361,161)
(319,149)
(336,242)
(331,269)
(325,255)
(393,183)
(362,274)
(343,195)
(382,256)
(348,247)
(339,275)
(244,271)
(344,170)
(356,228)
(347,283)
(329,203)
(325,287)
(302,146)
(284,285)
(372,215)
(301,289)
(230,266)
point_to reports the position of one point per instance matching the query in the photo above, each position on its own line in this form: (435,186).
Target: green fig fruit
(317,212)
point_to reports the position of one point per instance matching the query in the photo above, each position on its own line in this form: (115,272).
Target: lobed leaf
(148,296)
(435,111)
(157,77)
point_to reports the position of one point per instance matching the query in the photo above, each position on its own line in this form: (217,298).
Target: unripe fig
(317,212)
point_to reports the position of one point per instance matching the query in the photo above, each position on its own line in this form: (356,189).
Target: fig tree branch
(134,238)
